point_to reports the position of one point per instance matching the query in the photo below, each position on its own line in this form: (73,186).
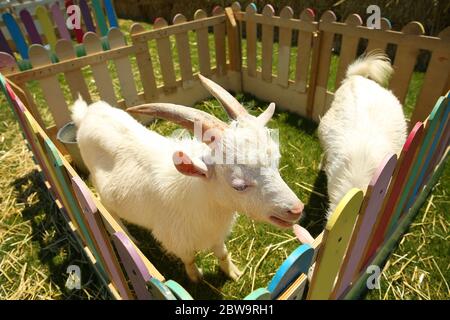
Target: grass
(36,248)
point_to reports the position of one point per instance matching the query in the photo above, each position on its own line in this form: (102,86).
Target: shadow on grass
(172,267)
(58,247)
(315,219)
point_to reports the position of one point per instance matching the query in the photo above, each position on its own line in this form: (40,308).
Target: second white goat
(364,124)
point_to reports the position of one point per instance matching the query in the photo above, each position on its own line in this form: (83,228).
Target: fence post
(233,40)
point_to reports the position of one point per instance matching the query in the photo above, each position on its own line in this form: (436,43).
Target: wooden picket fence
(364,226)
(44,22)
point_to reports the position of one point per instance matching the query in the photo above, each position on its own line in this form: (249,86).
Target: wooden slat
(19,110)
(380,44)
(438,119)
(100,71)
(60,21)
(295,290)
(110,13)
(219,43)
(204,57)
(44,71)
(408,194)
(179,292)
(124,70)
(86,13)
(25,96)
(250,12)
(258,294)
(287,98)
(395,37)
(322,67)
(284,49)
(99,17)
(51,88)
(100,236)
(233,33)
(335,240)
(402,171)
(367,218)
(165,57)
(8,64)
(184,53)
(279,22)
(72,205)
(16,35)
(75,79)
(218,18)
(29,25)
(47,26)
(405,60)
(267,44)
(145,65)
(349,48)
(4,45)
(442,144)
(304,45)
(133,264)
(435,80)
(298,262)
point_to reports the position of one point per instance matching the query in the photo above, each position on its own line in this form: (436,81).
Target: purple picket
(93,220)
(4,46)
(7,61)
(29,25)
(134,266)
(86,13)
(371,208)
(60,21)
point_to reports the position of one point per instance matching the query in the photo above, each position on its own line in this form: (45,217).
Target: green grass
(35,248)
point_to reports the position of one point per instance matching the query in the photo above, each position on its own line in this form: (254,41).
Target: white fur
(133,171)
(364,124)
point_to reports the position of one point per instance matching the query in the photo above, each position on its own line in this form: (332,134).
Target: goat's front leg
(193,272)
(225,263)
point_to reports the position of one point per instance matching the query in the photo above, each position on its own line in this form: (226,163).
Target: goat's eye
(239,185)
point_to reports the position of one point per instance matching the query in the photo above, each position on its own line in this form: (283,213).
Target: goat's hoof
(195,274)
(233,272)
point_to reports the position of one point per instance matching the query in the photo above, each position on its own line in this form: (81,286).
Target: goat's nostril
(297,209)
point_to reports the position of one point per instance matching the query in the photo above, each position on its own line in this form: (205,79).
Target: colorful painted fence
(47,21)
(366,222)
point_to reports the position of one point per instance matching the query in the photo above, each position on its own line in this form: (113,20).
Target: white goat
(173,186)
(364,124)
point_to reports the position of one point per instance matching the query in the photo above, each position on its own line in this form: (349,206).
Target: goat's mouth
(281,222)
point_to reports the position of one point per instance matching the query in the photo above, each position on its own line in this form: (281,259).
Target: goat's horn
(184,116)
(267,114)
(230,104)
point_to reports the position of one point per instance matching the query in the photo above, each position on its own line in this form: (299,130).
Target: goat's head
(242,157)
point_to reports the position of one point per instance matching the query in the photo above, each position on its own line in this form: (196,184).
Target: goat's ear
(190,166)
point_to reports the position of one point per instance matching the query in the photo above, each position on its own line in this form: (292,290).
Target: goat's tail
(79,110)
(374,65)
